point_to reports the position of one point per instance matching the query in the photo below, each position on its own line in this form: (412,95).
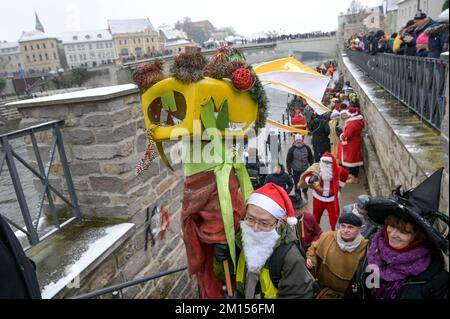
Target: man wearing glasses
(270,264)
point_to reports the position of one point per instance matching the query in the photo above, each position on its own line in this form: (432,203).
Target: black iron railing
(117,290)
(417,82)
(9,156)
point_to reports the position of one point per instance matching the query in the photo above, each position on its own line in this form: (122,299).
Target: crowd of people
(284,253)
(421,36)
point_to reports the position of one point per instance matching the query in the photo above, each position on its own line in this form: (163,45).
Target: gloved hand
(236,295)
(221,252)
(313,179)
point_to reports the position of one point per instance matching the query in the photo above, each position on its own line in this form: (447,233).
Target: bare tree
(355,7)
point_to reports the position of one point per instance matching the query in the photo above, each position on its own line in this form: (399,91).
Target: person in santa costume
(349,150)
(298,120)
(271,263)
(325,178)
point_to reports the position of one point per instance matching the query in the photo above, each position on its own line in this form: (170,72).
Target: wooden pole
(228,278)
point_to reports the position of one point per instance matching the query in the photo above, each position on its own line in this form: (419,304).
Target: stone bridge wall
(398,148)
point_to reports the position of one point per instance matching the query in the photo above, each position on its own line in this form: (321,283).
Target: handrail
(115,288)
(417,82)
(9,156)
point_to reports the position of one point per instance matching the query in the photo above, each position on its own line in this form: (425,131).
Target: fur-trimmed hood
(436,30)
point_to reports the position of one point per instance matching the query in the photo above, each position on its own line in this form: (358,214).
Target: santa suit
(349,152)
(299,122)
(324,193)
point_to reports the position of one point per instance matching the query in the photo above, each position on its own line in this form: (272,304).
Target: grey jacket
(299,158)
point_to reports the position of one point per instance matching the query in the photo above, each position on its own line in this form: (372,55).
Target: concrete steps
(9,113)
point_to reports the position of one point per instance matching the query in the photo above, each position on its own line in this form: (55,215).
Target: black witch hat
(419,206)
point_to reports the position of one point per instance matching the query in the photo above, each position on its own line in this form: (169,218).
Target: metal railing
(417,82)
(9,156)
(117,290)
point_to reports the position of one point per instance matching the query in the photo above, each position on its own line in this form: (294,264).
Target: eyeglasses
(251,221)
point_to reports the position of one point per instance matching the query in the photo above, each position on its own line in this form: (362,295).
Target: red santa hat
(275,200)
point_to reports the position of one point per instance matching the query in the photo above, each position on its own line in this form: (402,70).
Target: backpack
(276,262)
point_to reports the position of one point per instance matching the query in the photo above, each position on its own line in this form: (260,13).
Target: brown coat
(333,267)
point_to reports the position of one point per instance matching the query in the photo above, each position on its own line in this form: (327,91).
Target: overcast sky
(245,16)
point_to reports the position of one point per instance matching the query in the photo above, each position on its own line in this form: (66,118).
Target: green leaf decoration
(223,117)
(207,114)
(163,155)
(168,102)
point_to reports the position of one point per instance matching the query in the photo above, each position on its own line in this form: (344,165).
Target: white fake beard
(326,172)
(258,246)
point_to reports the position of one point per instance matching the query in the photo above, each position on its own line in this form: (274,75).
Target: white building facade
(10,58)
(89,48)
(408,8)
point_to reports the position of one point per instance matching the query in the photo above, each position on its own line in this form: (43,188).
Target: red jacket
(349,152)
(299,122)
(308,230)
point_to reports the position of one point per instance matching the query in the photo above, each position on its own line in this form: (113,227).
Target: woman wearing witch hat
(404,259)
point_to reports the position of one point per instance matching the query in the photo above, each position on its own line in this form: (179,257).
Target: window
(46,56)
(125,41)
(148,40)
(90,46)
(25,47)
(87,36)
(81,57)
(124,51)
(31,47)
(28,58)
(92,56)
(52,45)
(120,42)
(372,20)
(54,56)
(37,46)
(34,58)
(43,45)
(75,37)
(99,55)
(19,65)
(152,40)
(40,57)
(99,36)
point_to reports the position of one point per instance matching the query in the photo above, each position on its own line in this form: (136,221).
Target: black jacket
(17,273)
(320,130)
(430,284)
(282,180)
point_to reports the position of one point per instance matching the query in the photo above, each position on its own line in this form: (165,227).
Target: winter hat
(298,137)
(275,200)
(351,219)
(335,114)
(362,200)
(297,201)
(443,17)
(422,39)
(419,15)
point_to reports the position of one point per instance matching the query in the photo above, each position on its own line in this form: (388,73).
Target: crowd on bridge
(284,253)
(421,36)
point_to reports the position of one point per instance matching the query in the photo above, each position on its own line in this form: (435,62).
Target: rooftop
(34,35)
(130,25)
(86,36)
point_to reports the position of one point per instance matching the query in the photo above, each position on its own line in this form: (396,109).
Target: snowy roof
(101,93)
(34,35)
(172,34)
(258,35)
(9,48)
(86,36)
(177,42)
(392,5)
(129,25)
